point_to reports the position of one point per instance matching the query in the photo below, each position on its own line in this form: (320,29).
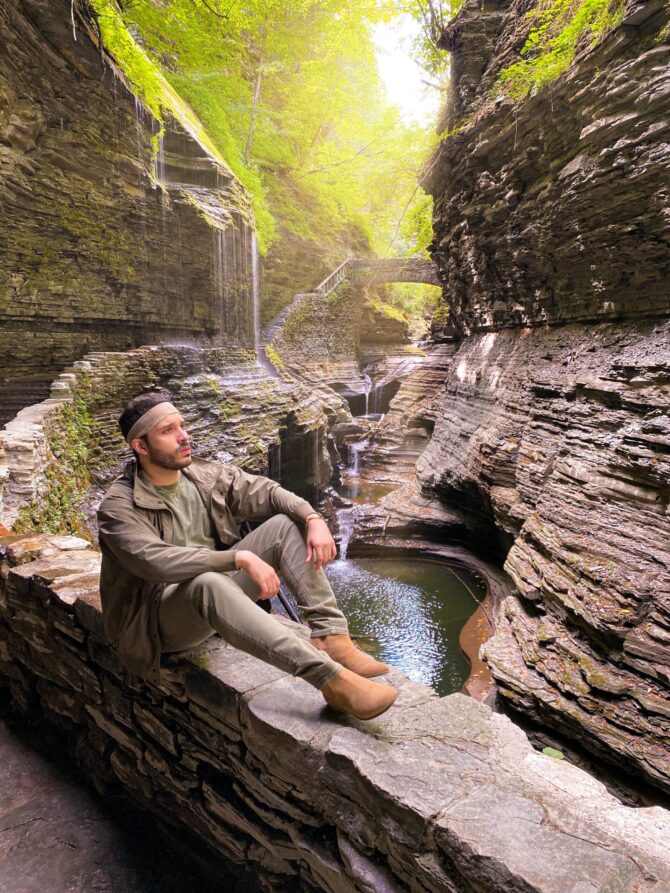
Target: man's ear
(138,444)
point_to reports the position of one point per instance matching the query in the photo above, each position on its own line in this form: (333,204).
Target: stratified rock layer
(552,443)
(438,795)
(564,444)
(557,208)
(234,411)
(106,240)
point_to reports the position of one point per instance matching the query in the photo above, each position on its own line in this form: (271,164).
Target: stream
(408,612)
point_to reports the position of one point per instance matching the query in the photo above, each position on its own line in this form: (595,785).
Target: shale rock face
(438,795)
(556,209)
(105,243)
(351,345)
(553,435)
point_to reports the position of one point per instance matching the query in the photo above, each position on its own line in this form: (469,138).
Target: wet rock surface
(438,794)
(406,428)
(555,209)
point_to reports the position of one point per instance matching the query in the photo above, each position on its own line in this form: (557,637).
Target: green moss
(146,80)
(274,358)
(558,29)
(387,310)
(552,752)
(60,509)
(441,315)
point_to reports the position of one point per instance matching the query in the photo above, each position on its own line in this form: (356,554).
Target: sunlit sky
(401,75)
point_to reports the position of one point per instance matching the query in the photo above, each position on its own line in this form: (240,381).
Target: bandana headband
(150,418)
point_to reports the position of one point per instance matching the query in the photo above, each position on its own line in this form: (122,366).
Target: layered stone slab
(437,795)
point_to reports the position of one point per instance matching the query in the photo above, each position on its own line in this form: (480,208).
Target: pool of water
(359,490)
(409,613)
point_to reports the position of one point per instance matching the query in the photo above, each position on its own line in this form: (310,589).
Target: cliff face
(109,237)
(557,209)
(552,440)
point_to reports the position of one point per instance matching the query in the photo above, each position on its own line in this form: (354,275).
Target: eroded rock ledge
(439,795)
(552,434)
(561,439)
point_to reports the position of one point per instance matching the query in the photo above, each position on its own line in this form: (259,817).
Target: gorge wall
(110,236)
(346,339)
(552,432)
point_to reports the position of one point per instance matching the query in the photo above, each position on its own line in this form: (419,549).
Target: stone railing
(377,270)
(334,279)
(437,795)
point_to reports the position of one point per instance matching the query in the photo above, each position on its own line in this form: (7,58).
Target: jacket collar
(202,473)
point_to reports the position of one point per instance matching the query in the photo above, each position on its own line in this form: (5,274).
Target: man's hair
(136,408)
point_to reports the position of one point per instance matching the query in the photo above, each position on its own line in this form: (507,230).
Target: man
(175,568)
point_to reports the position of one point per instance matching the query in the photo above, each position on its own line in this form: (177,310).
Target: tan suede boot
(343,650)
(360,697)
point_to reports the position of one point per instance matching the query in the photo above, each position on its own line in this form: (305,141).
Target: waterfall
(159,161)
(346,519)
(368,387)
(315,463)
(256,295)
(355,450)
(140,124)
(219,276)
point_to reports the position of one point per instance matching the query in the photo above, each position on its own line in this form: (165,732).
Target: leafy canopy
(289,94)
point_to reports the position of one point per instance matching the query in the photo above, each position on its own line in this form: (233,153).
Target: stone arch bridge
(376,270)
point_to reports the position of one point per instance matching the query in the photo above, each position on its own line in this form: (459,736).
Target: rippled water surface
(409,613)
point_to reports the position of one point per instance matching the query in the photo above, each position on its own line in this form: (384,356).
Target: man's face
(166,445)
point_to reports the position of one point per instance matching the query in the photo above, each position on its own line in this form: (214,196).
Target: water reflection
(359,490)
(409,613)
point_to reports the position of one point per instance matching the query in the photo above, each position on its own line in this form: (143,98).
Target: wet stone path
(57,836)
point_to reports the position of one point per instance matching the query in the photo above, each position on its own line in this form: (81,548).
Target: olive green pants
(225,603)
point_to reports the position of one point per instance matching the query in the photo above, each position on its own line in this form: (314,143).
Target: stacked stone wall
(233,410)
(437,796)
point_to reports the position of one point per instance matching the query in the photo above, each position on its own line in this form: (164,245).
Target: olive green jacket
(135,532)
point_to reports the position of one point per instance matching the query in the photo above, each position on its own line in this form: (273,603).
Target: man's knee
(206,588)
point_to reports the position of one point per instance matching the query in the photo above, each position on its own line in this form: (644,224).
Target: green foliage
(60,509)
(413,299)
(289,94)
(441,314)
(387,310)
(274,358)
(140,71)
(432,17)
(558,29)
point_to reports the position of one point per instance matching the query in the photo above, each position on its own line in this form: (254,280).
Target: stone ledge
(437,795)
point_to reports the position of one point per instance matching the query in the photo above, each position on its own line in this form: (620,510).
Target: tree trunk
(256,99)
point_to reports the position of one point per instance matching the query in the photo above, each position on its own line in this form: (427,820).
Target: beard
(171,460)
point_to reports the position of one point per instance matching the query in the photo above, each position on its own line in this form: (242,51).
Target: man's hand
(260,571)
(320,542)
